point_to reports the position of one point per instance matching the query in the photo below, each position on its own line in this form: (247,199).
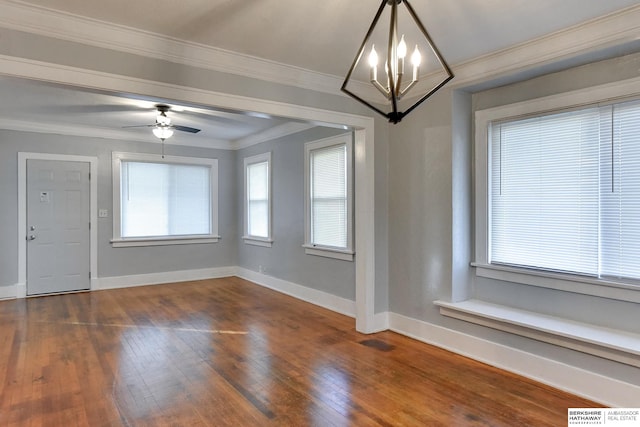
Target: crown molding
(603,32)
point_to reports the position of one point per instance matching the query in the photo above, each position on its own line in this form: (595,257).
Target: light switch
(103,213)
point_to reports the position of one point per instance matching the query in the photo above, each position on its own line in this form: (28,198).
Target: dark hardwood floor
(227,352)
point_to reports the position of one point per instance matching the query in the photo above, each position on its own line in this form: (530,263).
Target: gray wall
(420,215)
(115,261)
(286,259)
(430,201)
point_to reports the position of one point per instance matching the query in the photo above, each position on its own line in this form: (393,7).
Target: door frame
(21,288)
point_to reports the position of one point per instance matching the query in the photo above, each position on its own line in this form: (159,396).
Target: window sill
(163,241)
(341,254)
(608,343)
(256,241)
(561,281)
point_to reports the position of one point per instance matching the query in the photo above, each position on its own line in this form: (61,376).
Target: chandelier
(376,83)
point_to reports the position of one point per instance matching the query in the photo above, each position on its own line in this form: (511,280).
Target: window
(544,192)
(257,200)
(163,201)
(328,198)
(563,195)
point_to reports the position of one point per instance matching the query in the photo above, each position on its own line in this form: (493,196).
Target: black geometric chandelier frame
(394,68)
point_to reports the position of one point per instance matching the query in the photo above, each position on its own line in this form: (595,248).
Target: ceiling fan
(163,128)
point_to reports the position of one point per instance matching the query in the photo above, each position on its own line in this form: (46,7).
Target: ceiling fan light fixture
(163,129)
(163,132)
(162,119)
(426,72)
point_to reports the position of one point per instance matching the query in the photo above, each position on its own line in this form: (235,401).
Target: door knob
(31,237)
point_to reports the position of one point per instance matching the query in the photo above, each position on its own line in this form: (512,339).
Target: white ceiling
(321,36)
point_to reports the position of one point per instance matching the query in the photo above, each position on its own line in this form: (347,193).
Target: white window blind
(621,194)
(258,199)
(328,196)
(160,199)
(565,192)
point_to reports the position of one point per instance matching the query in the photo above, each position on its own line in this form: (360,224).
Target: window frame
(599,95)
(116,167)
(258,240)
(347,253)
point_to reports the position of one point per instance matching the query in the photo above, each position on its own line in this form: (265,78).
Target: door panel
(58,234)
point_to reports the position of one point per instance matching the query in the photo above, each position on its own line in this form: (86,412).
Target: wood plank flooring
(226,352)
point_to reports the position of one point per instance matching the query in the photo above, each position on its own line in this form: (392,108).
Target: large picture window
(163,201)
(557,206)
(328,197)
(564,192)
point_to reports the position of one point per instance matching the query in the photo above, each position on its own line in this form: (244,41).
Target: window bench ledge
(257,241)
(344,255)
(612,344)
(163,241)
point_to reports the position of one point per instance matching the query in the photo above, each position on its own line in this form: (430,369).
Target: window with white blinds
(329,195)
(164,198)
(257,218)
(565,192)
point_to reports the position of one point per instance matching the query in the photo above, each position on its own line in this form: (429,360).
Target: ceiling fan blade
(185,129)
(139,126)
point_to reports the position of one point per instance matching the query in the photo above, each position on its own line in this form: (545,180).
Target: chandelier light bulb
(402,48)
(416,58)
(373,57)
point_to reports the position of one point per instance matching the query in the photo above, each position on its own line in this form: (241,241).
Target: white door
(58,226)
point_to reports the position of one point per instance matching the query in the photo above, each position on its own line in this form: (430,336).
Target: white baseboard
(574,380)
(21,290)
(8,292)
(381,321)
(160,278)
(313,296)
